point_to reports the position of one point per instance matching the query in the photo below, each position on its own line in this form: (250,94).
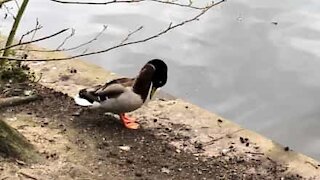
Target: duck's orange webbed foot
(129,122)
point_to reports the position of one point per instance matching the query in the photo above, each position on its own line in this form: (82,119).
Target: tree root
(17,100)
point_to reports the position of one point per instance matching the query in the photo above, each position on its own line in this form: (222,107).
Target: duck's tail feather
(86,98)
(81,101)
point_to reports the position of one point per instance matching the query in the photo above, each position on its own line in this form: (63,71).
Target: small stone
(247,144)
(224,151)
(19,162)
(138,174)
(165,170)
(27,92)
(198,145)
(125,148)
(129,161)
(242,140)
(219,120)
(286,148)
(168,129)
(73,70)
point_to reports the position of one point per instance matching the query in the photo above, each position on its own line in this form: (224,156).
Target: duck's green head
(160,75)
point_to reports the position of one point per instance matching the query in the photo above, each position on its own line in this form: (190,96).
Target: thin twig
(28,176)
(219,138)
(37,24)
(254,153)
(36,40)
(31,31)
(75,47)
(67,38)
(17,4)
(312,164)
(9,11)
(130,34)
(4,1)
(131,1)
(169,28)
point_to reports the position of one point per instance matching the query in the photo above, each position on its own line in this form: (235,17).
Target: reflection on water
(235,61)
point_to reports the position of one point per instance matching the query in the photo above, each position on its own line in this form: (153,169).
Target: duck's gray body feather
(116,96)
(127,101)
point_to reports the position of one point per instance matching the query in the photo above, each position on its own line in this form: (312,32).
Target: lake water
(254,62)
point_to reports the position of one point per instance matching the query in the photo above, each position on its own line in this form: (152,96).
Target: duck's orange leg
(129,122)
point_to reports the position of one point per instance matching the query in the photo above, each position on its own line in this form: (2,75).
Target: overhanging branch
(33,41)
(125,43)
(169,2)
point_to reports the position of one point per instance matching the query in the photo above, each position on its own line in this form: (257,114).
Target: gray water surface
(254,62)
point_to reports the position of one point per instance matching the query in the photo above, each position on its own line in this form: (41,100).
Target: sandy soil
(92,145)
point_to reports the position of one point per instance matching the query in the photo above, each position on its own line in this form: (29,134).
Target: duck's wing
(126,82)
(99,93)
(113,88)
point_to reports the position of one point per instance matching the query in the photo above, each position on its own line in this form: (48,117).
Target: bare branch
(36,40)
(67,38)
(75,47)
(130,34)
(131,1)
(88,42)
(17,4)
(37,24)
(169,28)
(9,12)
(4,1)
(31,31)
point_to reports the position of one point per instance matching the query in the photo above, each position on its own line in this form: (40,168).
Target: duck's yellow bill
(153,91)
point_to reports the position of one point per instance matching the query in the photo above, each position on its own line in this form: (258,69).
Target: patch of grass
(15,72)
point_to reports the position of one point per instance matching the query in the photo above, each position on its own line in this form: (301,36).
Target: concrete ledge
(214,133)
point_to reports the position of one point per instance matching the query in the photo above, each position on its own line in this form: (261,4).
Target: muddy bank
(96,146)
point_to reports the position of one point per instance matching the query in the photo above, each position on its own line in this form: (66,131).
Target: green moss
(15,72)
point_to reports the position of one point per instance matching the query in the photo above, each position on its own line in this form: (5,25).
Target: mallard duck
(124,95)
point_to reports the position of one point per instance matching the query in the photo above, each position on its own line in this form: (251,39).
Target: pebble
(138,174)
(242,140)
(224,151)
(125,148)
(20,162)
(165,170)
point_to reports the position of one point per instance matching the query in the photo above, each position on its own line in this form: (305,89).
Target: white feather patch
(82,102)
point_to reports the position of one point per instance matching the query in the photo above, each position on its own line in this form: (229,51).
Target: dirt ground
(92,145)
